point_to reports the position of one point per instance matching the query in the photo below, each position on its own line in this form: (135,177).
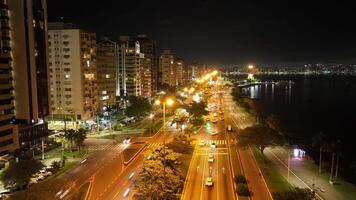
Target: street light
(250,66)
(151,117)
(167,102)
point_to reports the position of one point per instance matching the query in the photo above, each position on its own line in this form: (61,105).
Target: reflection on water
(307,104)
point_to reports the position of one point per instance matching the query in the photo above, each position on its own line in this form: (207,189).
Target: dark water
(310,105)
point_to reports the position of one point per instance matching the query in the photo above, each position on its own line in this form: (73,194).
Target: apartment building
(106,67)
(129,68)
(167,69)
(72,71)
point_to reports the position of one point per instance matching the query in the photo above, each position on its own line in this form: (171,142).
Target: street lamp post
(169,102)
(151,117)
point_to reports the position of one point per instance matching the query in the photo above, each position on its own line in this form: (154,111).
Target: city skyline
(227,33)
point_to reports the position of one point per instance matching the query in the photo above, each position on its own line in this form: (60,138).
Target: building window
(107,76)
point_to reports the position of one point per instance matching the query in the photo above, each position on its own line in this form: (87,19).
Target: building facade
(73,72)
(24,89)
(106,65)
(148,65)
(129,68)
(167,69)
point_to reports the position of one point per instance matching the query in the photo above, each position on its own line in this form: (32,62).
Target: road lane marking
(190,171)
(217,177)
(202,184)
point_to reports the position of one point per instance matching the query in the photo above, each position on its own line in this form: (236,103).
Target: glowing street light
(250,66)
(185,89)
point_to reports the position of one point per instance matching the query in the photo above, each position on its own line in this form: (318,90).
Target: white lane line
(202,182)
(217,177)
(292,172)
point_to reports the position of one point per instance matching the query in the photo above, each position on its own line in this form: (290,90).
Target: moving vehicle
(213,132)
(202,143)
(127,140)
(213,145)
(211,158)
(209,181)
(229,128)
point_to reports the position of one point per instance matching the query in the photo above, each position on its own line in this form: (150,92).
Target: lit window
(107,76)
(104,92)
(88,63)
(67,76)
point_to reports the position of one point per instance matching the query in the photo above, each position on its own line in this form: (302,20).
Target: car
(213,145)
(229,128)
(201,142)
(221,112)
(127,140)
(222,118)
(211,158)
(213,132)
(215,120)
(149,157)
(209,181)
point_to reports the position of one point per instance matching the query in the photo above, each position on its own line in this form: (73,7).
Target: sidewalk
(304,173)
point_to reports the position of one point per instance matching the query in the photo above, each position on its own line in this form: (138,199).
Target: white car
(213,145)
(211,158)
(213,132)
(209,181)
(202,143)
(127,140)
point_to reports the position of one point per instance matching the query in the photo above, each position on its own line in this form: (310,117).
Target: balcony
(6,96)
(6,106)
(5,86)
(6,117)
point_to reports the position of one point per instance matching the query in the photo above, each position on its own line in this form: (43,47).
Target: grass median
(275,181)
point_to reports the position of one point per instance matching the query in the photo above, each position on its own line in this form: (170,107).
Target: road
(118,184)
(219,170)
(246,160)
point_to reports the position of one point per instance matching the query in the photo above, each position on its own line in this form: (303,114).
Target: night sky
(226,32)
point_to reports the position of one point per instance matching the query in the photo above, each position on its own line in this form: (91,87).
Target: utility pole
(43,156)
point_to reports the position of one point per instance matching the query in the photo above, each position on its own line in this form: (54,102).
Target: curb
(134,156)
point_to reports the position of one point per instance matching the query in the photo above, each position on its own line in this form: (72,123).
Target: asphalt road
(219,170)
(246,160)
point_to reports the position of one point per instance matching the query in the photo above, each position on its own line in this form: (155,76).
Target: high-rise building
(167,69)
(73,71)
(106,64)
(179,65)
(129,68)
(187,73)
(149,65)
(23,86)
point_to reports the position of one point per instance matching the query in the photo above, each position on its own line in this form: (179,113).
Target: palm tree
(69,136)
(320,140)
(79,137)
(338,153)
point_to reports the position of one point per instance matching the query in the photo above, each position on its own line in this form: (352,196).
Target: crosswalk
(217,142)
(104,147)
(154,145)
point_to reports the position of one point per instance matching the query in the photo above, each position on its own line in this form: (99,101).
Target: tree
(260,136)
(137,107)
(158,179)
(40,191)
(80,136)
(69,136)
(197,109)
(20,173)
(295,194)
(273,122)
(320,140)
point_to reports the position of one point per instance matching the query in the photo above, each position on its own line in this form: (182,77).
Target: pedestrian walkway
(303,174)
(104,147)
(217,142)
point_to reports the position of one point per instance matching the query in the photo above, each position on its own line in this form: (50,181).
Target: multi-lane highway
(219,169)
(246,160)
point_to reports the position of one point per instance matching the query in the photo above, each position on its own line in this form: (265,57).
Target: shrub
(243,190)
(240,179)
